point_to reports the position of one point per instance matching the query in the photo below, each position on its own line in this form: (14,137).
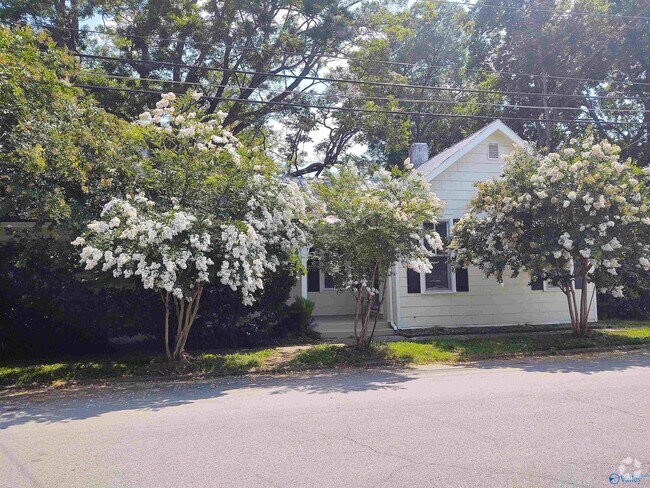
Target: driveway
(532,423)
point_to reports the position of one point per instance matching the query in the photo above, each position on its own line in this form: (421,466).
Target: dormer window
(493,151)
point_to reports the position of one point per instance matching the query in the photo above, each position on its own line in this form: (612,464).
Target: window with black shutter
(440,276)
(462,280)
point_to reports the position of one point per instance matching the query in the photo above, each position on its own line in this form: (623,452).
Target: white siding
(455,186)
(329,302)
(487,302)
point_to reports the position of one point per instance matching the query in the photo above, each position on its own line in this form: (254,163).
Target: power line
(340,80)
(356,110)
(335,56)
(365,97)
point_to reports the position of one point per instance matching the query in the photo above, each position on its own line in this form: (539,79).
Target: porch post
(398,311)
(304,254)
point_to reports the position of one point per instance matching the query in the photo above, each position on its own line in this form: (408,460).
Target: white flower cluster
(254,226)
(165,250)
(206,135)
(268,228)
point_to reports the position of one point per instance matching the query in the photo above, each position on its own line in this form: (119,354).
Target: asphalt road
(533,423)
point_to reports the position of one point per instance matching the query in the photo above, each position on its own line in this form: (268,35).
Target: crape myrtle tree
(214,208)
(363,223)
(576,215)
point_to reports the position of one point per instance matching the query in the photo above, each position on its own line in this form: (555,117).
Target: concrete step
(343,327)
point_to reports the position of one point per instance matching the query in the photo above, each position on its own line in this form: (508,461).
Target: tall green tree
(228,49)
(422,44)
(61,155)
(628,59)
(552,41)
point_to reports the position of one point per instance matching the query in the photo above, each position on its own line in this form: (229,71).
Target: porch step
(347,334)
(342,327)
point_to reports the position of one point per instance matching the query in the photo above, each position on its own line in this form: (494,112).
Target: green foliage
(322,356)
(548,215)
(550,40)
(62,156)
(136,366)
(305,308)
(330,356)
(420,40)
(47,310)
(367,221)
(363,223)
(634,333)
(634,306)
(460,350)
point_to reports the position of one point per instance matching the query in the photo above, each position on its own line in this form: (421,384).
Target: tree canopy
(548,67)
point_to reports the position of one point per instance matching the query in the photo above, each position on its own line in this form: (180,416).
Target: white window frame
(498,151)
(452,275)
(321,278)
(548,286)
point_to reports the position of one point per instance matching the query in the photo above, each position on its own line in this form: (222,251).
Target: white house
(444,298)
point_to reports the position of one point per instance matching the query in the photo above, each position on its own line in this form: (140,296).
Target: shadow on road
(92,401)
(583,363)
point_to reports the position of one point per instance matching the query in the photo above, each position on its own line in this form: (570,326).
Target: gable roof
(441,161)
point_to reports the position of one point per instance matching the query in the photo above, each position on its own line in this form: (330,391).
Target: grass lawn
(286,359)
(463,350)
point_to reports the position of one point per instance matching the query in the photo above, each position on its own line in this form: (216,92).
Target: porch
(342,326)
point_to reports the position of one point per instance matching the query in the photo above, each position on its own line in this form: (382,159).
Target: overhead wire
(326,79)
(357,110)
(356,97)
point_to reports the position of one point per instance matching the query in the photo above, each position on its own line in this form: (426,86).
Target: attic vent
(493,151)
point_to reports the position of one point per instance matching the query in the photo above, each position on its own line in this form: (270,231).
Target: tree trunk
(381,302)
(572,311)
(167,312)
(357,310)
(585,304)
(579,312)
(186,312)
(361,339)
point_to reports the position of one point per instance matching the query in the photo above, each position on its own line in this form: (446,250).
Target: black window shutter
(462,279)
(413,281)
(462,274)
(537,285)
(313,275)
